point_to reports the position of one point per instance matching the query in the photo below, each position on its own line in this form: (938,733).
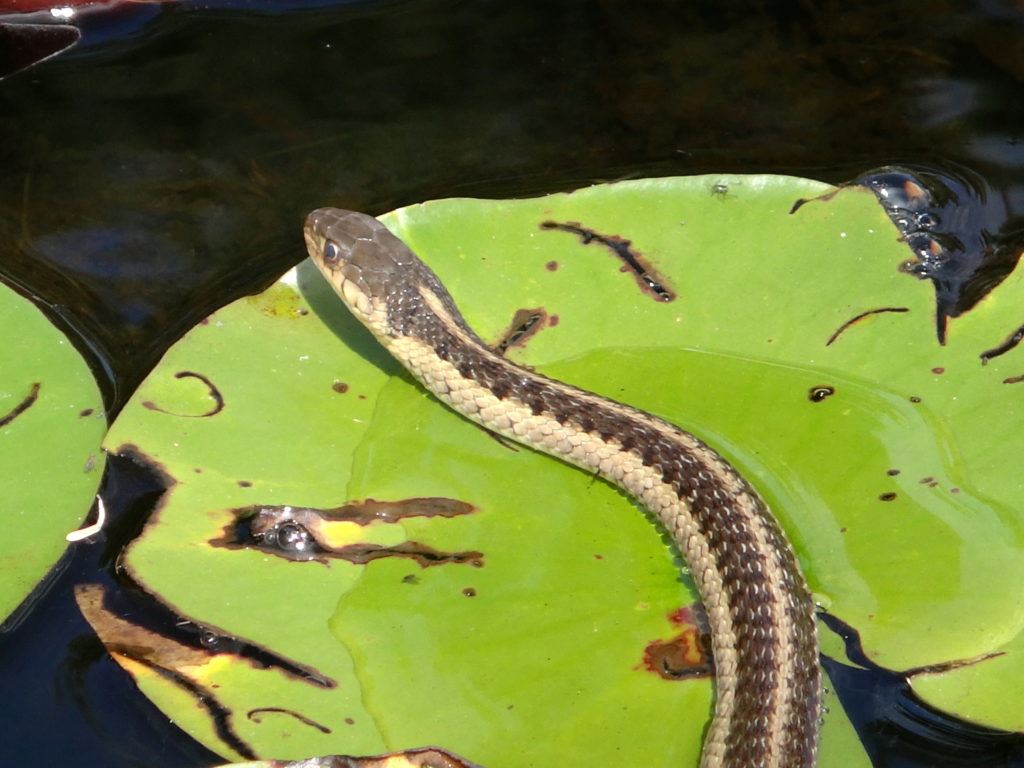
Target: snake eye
(331,252)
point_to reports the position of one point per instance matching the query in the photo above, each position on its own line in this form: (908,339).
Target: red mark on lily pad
(685,655)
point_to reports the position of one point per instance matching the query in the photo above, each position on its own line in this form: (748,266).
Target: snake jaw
(339,271)
(356,298)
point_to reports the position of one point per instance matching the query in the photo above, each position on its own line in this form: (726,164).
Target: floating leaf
(790,341)
(51,424)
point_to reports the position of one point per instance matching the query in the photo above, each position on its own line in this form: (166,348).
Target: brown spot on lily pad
(857,318)
(212,392)
(254,715)
(820,392)
(525,324)
(650,282)
(304,533)
(425,555)
(1009,343)
(685,655)
(24,405)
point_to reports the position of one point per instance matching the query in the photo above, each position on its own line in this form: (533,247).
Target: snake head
(362,260)
(379,278)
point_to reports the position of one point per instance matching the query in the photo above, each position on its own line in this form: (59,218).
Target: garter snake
(761,614)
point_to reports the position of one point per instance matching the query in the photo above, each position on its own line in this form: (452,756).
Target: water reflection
(961,232)
(164,167)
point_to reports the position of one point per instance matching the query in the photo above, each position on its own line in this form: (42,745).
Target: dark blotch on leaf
(819,393)
(857,318)
(23,406)
(254,715)
(649,281)
(524,325)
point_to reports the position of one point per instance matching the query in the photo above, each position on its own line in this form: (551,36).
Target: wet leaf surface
(51,424)
(888,458)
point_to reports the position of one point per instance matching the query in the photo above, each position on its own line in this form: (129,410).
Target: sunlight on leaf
(51,424)
(888,459)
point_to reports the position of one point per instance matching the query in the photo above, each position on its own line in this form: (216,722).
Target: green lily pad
(51,424)
(873,444)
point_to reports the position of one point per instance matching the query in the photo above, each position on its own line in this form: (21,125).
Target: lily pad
(51,425)
(791,342)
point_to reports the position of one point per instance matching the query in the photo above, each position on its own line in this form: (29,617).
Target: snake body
(759,608)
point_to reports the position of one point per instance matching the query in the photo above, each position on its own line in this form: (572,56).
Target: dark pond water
(162,167)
